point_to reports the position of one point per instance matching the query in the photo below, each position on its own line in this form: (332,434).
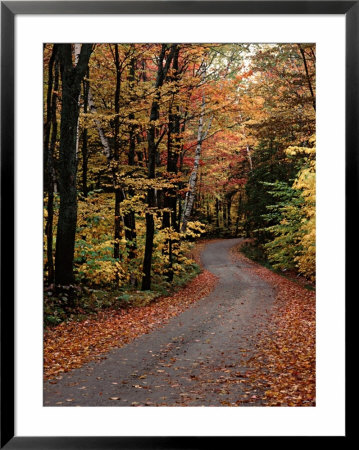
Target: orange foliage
(70,345)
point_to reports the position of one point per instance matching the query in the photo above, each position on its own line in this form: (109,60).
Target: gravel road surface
(197,359)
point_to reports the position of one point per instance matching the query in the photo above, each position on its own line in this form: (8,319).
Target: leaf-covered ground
(283,367)
(70,345)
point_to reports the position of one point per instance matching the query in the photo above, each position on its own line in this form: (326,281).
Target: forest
(153,150)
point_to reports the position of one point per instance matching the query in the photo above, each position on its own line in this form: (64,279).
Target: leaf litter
(72,344)
(283,366)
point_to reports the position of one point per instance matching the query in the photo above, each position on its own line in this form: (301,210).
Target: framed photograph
(176,179)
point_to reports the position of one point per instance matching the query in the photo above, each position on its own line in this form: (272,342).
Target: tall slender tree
(49,149)
(162,70)
(201,136)
(173,149)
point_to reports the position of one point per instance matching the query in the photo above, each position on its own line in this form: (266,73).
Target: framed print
(176,184)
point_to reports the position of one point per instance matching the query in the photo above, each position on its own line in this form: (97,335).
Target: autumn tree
(160,143)
(72,76)
(164,61)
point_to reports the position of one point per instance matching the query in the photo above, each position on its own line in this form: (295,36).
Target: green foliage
(271,166)
(291,219)
(256,253)
(287,216)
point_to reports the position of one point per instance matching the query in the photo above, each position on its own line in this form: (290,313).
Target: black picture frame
(9,9)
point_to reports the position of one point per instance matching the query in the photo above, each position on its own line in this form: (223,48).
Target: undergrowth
(256,253)
(76,303)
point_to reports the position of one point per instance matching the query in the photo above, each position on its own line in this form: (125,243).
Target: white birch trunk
(247,146)
(201,135)
(103,138)
(249,158)
(77,51)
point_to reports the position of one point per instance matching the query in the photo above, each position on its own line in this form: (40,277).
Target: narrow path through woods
(198,358)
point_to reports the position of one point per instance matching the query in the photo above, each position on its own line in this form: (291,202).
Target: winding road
(196,359)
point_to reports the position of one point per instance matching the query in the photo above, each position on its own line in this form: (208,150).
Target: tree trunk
(118,190)
(132,138)
(229,219)
(217,213)
(209,216)
(307,76)
(77,51)
(66,230)
(129,218)
(238,212)
(48,120)
(201,135)
(152,148)
(104,141)
(224,208)
(117,225)
(173,144)
(49,149)
(86,88)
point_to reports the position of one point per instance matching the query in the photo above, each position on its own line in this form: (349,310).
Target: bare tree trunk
(71,87)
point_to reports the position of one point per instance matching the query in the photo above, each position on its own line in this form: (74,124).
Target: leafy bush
(293,234)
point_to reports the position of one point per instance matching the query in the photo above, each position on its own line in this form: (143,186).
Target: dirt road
(197,359)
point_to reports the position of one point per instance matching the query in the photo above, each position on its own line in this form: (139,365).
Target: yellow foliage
(194,229)
(306,184)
